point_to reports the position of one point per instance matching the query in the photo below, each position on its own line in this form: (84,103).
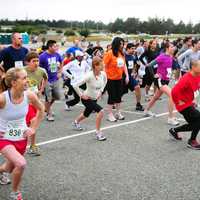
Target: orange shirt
(114,66)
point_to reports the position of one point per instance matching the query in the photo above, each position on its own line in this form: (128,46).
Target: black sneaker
(193,144)
(139,107)
(174,134)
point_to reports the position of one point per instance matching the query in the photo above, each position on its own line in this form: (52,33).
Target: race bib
(169,72)
(130,64)
(120,62)
(52,64)
(15,130)
(19,64)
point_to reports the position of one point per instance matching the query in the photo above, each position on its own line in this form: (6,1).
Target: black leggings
(90,106)
(192,116)
(76,99)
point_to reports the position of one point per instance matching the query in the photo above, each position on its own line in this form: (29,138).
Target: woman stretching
(162,78)
(95,81)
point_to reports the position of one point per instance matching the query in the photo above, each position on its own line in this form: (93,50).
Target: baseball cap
(78,53)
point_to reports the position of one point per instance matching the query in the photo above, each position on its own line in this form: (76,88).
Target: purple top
(50,63)
(164,69)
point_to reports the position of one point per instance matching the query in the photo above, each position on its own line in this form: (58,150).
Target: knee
(101,114)
(21,164)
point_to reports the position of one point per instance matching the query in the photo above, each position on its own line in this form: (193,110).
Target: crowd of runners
(30,83)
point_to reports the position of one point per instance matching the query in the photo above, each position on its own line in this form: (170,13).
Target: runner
(185,58)
(13,129)
(37,79)
(51,61)
(115,66)
(14,55)
(133,84)
(162,78)
(184,94)
(75,71)
(95,81)
(149,55)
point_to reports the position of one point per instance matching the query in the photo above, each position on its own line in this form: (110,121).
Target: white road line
(132,112)
(104,128)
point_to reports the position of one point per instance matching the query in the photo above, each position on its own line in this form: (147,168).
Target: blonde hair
(96,61)
(11,75)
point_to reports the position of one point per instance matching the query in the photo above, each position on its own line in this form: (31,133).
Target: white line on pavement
(104,128)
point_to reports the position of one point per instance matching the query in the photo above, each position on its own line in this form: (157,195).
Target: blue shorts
(131,85)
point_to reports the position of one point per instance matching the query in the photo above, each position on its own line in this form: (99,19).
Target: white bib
(169,72)
(130,64)
(15,130)
(120,62)
(19,64)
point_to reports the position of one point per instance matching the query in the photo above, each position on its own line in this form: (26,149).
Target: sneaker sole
(111,121)
(173,124)
(191,147)
(102,139)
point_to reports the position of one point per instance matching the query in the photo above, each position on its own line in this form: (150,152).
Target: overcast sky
(100,10)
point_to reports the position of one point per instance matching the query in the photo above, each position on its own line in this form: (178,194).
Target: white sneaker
(50,118)
(111,118)
(4,179)
(151,93)
(77,126)
(147,97)
(148,113)
(67,108)
(172,121)
(100,136)
(119,116)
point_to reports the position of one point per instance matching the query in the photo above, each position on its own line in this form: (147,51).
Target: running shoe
(111,118)
(172,121)
(77,126)
(50,118)
(193,144)
(4,179)
(147,97)
(34,150)
(100,136)
(67,108)
(139,107)
(16,196)
(174,134)
(119,116)
(148,113)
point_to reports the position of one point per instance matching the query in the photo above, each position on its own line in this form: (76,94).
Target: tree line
(131,25)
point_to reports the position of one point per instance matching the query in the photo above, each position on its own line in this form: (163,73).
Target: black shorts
(90,106)
(159,83)
(148,79)
(115,90)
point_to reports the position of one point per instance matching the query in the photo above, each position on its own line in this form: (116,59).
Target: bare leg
(167,90)
(157,95)
(19,163)
(80,118)
(138,94)
(98,120)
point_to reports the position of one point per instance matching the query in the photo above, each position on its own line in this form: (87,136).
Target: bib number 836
(15,132)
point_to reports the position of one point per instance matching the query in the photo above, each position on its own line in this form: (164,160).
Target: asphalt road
(137,162)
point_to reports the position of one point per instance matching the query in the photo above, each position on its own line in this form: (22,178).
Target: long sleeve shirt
(95,84)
